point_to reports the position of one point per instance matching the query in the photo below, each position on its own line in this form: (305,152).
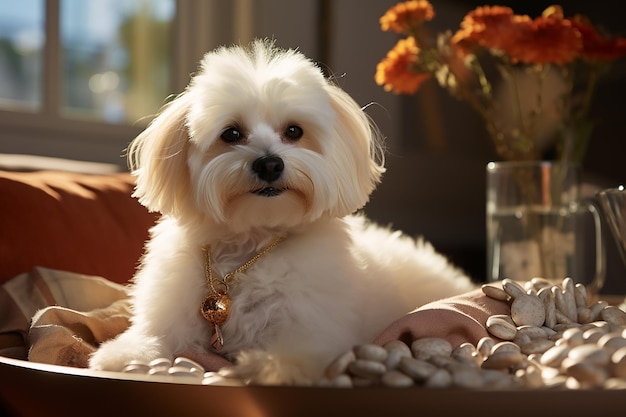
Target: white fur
(335,281)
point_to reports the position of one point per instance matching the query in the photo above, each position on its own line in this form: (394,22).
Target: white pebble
(160,362)
(533,332)
(528,310)
(618,363)
(615,383)
(592,354)
(555,355)
(340,364)
(467,378)
(441,378)
(184,372)
(502,327)
(513,288)
(370,352)
(394,355)
(569,298)
(396,379)
(494,292)
(537,346)
(613,315)
(503,360)
(136,369)
(159,371)
(584,315)
(596,308)
(398,345)
(586,374)
(418,369)
(187,363)
(580,295)
(611,342)
(505,347)
(561,318)
(366,368)
(428,346)
(484,346)
(593,335)
(539,283)
(573,336)
(342,381)
(214,378)
(466,353)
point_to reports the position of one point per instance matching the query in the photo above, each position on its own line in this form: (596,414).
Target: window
(21,53)
(80,79)
(114,57)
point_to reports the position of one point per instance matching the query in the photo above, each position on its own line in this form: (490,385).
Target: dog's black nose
(268,168)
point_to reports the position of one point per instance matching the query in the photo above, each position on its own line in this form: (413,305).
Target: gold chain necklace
(216,305)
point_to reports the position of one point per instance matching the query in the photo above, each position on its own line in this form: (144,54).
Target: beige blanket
(60,318)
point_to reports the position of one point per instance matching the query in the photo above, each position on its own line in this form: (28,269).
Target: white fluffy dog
(261,145)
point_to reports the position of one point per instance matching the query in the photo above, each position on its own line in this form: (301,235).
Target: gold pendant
(217,340)
(215,308)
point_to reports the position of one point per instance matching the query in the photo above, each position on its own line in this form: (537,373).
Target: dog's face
(259,139)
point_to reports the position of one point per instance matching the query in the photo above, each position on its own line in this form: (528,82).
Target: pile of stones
(553,339)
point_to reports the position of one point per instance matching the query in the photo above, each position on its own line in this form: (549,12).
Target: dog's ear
(358,163)
(158,159)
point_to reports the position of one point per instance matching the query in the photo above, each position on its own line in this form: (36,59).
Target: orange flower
(489,27)
(597,47)
(397,70)
(402,17)
(545,40)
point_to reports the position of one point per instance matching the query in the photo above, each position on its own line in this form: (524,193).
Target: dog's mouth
(269,191)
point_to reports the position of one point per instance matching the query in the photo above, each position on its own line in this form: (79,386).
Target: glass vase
(538,225)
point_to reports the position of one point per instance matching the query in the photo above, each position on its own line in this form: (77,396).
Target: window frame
(46,131)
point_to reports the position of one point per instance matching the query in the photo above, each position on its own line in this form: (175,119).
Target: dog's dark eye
(231,135)
(294,132)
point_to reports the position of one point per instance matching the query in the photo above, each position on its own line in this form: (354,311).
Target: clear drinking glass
(613,205)
(537,224)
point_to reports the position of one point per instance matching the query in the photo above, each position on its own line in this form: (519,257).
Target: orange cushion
(82,223)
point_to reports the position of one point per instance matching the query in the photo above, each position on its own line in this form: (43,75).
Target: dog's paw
(115,354)
(264,368)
